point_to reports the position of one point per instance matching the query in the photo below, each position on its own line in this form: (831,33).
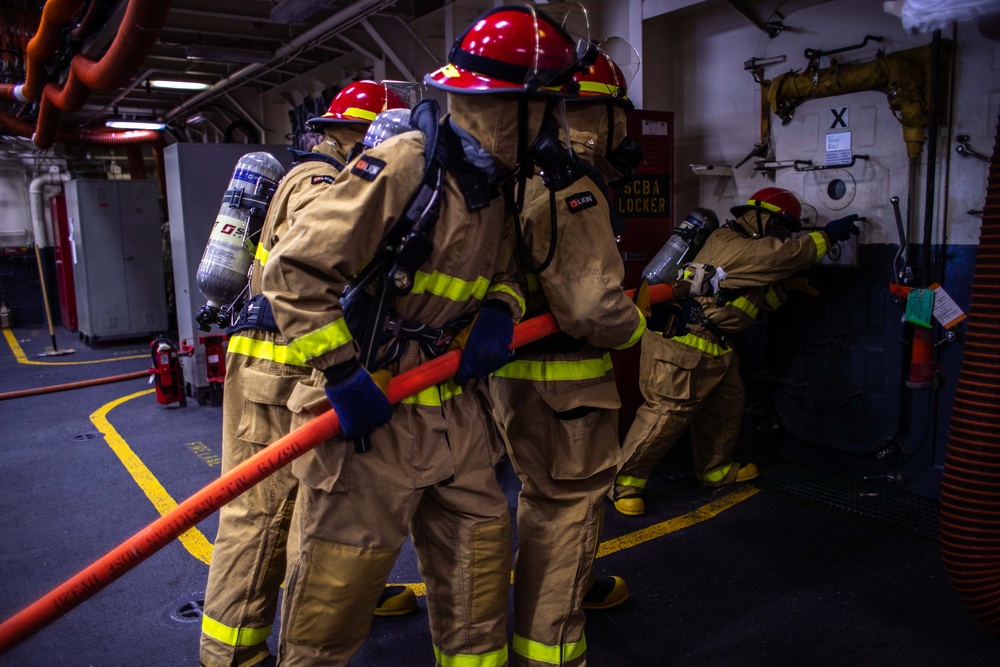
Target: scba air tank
(225,265)
(682,245)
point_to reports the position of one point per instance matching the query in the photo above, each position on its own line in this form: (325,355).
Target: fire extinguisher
(166,372)
(215,358)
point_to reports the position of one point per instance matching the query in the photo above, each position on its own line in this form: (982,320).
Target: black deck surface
(739,576)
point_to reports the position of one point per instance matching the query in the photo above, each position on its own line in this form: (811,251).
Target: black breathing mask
(556,162)
(624,159)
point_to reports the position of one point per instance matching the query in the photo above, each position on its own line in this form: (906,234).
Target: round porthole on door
(836,189)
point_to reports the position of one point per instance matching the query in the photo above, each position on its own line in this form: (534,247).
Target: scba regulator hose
(970,494)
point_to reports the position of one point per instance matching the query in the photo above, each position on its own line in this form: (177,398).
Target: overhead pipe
(212,497)
(356,11)
(37,208)
(970,493)
(136,37)
(904,73)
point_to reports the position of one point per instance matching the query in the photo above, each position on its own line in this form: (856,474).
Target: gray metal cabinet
(117,257)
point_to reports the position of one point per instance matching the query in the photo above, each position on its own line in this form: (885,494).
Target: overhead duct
(904,75)
(135,40)
(970,492)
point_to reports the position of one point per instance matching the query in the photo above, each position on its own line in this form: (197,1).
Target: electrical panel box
(117,256)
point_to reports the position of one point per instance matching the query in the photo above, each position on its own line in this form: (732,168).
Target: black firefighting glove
(358,397)
(842,228)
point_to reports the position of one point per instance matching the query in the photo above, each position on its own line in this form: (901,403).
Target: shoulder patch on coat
(581,201)
(323,178)
(368,167)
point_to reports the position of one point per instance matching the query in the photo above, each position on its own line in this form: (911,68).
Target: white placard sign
(838,148)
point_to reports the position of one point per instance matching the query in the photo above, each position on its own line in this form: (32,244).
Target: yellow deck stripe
(677,523)
(199,547)
(192,539)
(22,358)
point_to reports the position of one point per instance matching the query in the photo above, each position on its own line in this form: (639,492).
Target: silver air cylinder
(223,272)
(687,239)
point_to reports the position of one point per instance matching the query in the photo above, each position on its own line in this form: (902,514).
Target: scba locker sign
(648,195)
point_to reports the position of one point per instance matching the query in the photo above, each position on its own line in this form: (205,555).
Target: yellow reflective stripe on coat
(743,304)
(497,658)
(821,245)
(436,395)
(264,349)
(550,655)
(637,334)
(449,287)
(234,636)
(550,371)
(702,344)
(262,254)
(323,340)
(625,480)
(503,289)
(773,298)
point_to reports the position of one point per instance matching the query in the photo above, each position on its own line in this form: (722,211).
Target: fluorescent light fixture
(178,85)
(195,119)
(122,124)
(227,55)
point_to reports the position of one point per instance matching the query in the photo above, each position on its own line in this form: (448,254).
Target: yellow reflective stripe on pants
(325,339)
(234,636)
(716,475)
(436,395)
(637,334)
(548,371)
(702,344)
(625,480)
(821,246)
(449,287)
(496,658)
(264,349)
(552,655)
(743,304)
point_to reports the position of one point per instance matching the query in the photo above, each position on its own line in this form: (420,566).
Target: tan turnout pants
(566,467)
(683,387)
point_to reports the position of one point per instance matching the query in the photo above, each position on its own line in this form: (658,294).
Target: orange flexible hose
(212,497)
(21,393)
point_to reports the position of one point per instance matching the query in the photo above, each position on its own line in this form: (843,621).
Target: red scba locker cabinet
(646,205)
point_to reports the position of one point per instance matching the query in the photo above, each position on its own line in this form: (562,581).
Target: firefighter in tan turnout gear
(426,246)
(248,560)
(555,402)
(692,378)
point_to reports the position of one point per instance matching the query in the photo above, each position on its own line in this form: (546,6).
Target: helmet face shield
(624,59)
(387,124)
(557,27)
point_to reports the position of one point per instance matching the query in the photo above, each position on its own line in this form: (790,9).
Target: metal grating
(899,508)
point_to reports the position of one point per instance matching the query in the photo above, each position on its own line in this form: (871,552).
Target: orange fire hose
(211,498)
(21,393)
